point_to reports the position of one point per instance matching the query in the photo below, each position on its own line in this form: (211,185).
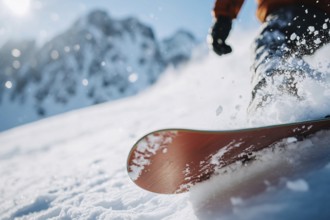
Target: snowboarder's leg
(287,35)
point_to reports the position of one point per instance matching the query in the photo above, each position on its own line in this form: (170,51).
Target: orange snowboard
(171,161)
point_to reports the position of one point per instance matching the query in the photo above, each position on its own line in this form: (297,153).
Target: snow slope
(72,166)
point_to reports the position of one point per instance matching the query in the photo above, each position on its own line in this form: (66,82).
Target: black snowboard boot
(287,35)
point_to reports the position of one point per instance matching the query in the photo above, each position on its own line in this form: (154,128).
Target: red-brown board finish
(171,161)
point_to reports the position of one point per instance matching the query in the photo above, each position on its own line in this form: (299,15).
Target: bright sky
(44,18)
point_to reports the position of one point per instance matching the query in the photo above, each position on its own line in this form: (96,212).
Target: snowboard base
(171,161)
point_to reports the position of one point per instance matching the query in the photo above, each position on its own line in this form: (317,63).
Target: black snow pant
(287,35)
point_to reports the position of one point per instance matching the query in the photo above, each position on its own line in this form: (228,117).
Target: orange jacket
(232,7)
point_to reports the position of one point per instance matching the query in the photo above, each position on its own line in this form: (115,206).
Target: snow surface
(73,166)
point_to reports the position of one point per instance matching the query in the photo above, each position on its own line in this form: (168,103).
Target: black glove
(219,34)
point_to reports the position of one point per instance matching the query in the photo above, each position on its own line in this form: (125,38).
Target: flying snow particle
(16,53)
(311,29)
(54,55)
(84,82)
(317,41)
(293,36)
(133,77)
(325,26)
(236,201)
(298,185)
(291,140)
(76,47)
(219,110)
(16,64)
(8,84)
(67,49)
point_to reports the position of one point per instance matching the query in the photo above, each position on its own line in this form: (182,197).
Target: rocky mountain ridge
(98,59)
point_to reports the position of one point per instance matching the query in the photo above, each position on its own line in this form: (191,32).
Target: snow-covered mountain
(96,60)
(178,48)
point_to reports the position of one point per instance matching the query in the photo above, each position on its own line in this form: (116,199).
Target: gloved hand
(219,34)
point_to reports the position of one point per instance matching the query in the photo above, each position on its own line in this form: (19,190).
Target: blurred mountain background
(97,59)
